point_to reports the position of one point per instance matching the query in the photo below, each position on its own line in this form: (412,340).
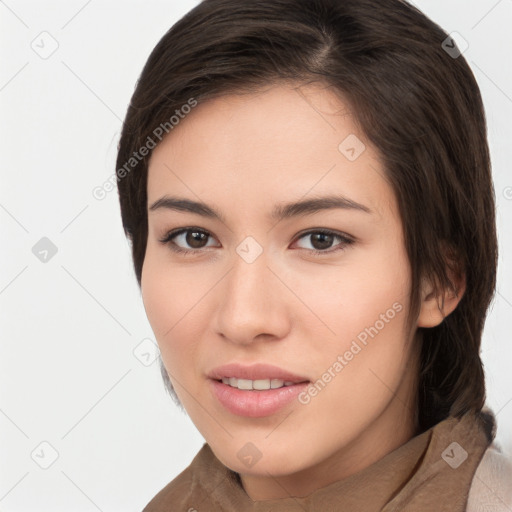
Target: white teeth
(262,384)
(276,383)
(244,384)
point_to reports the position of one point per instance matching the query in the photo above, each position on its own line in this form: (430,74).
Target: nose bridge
(248,287)
(250,266)
(251,304)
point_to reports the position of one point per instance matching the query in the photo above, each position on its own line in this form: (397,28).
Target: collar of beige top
(432,471)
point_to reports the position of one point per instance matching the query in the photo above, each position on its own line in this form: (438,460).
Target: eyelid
(326,231)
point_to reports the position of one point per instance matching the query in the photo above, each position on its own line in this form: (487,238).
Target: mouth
(255,391)
(258,376)
(257,385)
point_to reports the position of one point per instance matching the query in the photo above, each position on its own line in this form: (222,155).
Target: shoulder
(491,487)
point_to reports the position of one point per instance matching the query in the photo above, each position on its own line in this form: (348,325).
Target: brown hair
(418,104)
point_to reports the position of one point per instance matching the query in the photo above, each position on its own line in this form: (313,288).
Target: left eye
(322,241)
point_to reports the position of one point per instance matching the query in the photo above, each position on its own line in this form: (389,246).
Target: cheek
(351,297)
(159,296)
(366,327)
(364,305)
(169,296)
(375,300)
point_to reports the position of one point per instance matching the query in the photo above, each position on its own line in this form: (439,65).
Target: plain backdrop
(85,423)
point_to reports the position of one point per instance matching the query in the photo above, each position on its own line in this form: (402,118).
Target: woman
(307,189)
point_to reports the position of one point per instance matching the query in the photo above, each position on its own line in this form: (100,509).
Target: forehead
(284,142)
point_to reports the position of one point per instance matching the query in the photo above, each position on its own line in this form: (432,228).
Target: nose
(253,303)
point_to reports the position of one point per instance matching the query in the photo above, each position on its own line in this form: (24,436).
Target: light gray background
(73,374)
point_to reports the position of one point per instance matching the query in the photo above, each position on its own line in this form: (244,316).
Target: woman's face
(320,290)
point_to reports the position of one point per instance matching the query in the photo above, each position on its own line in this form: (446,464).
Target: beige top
(433,471)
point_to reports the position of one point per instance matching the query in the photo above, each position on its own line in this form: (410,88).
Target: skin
(243,154)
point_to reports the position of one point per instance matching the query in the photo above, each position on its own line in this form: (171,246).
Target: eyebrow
(279,212)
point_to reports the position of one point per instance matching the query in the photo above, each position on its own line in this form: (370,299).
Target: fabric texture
(436,470)
(491,489)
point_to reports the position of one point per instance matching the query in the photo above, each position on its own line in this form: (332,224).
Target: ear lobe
(435,307)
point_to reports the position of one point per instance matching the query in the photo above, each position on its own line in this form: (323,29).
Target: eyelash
(167,240)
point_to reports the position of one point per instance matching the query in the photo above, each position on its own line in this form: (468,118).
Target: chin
(267,461)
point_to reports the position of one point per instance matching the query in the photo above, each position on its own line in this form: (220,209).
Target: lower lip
(255,403)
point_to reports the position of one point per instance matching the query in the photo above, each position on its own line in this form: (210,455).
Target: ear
(436,307)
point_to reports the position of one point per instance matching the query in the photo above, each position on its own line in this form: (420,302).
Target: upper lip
(259,371)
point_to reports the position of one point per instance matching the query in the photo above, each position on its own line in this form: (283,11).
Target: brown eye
(187,240)
(323,241)
(195,239)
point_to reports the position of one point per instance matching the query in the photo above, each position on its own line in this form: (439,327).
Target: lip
(255,403)
(256,371)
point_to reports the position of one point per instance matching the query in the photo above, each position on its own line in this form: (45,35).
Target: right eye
(191,236)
